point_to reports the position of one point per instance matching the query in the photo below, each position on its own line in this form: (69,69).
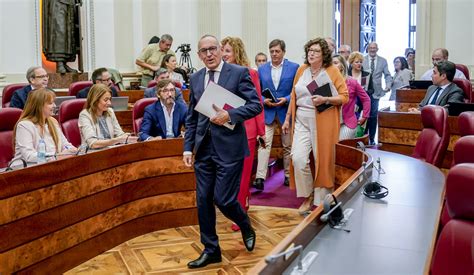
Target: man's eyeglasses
(212,50)
(42,76)
(167,90)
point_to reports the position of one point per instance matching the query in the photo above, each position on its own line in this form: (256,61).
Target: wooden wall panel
(62,213)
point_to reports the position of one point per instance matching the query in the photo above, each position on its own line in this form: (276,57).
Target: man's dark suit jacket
(230,145)
(154,123)
(19,97)
(84,92)
(451,94)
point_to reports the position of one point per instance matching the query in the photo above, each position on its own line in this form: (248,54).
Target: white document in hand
(219,96)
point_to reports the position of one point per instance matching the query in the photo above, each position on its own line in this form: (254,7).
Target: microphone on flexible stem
(325,217)
(9,167)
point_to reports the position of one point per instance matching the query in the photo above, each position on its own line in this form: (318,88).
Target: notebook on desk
(120,103)
(455,109)
(420,84)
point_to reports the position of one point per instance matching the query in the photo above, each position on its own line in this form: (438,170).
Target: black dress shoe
(286,182)
(204,260)
(249,239)
(259,183)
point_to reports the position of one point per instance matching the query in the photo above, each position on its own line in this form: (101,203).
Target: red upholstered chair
(69,117)
(466,86)
(463,151)
(75,87)
(463,68)
(8,119)
(152,83)
(139,110)
(454,250)
(434,138)
(8,92)
(466,123)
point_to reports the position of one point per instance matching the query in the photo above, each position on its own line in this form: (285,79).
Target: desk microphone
(9,167)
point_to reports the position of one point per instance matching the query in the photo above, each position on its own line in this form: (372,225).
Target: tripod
(186,60)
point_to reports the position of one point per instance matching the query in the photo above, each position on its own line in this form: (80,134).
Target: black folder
(325,91)
(268,94)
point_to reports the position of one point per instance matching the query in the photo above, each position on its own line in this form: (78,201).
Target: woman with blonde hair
(37,123)
(313,130)
(349,119)
(233,52)
(97,122)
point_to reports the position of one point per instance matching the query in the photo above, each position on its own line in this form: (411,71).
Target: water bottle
(41,151)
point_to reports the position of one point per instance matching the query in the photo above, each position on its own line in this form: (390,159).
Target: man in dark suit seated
(99,76)
(443,91)
(164,118)
(38,78)
(161,74)
(219,151)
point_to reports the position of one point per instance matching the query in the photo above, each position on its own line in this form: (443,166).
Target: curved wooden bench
(62,213)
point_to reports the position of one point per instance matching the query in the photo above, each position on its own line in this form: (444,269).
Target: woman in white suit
(97,122)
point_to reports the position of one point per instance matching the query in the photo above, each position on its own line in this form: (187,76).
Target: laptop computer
(455,109)
(120,103)
(420,84)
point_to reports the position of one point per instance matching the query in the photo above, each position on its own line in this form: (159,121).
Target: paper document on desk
(219,96)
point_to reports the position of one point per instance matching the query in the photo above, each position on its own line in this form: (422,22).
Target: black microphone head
(375,190)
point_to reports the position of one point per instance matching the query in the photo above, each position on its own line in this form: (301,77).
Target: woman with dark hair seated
(36,124)
(169,63)
(402,75)
(164,118)
(97,122)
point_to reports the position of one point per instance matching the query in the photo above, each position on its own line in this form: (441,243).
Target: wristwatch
(327,100)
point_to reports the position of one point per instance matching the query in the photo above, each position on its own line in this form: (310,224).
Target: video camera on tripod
(184,48)
(185,61)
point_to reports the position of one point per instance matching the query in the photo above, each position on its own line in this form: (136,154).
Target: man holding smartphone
(276,76)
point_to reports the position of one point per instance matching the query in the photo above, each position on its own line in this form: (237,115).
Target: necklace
(315,72)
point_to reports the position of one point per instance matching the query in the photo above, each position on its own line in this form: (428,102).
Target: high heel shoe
(306,205)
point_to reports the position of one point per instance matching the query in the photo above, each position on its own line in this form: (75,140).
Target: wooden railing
(59,214)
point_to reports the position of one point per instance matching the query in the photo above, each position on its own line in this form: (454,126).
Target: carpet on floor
(275,193)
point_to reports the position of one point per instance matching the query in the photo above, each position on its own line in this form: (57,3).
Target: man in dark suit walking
(219,151)
(443,91)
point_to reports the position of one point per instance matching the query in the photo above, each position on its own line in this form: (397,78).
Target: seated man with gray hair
(37,78)
(161,74)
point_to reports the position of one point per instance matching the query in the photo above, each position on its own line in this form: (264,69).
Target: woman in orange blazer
(233,51)
(312,130)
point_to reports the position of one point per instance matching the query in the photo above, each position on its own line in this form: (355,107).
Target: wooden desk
(133,95)
(399,131)
(348,158)
(408,98)
(57,215)
(394,235)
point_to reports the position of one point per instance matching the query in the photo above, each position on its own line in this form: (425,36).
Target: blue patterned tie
(435,97)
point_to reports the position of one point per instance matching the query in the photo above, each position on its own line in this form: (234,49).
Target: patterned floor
(169,251)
